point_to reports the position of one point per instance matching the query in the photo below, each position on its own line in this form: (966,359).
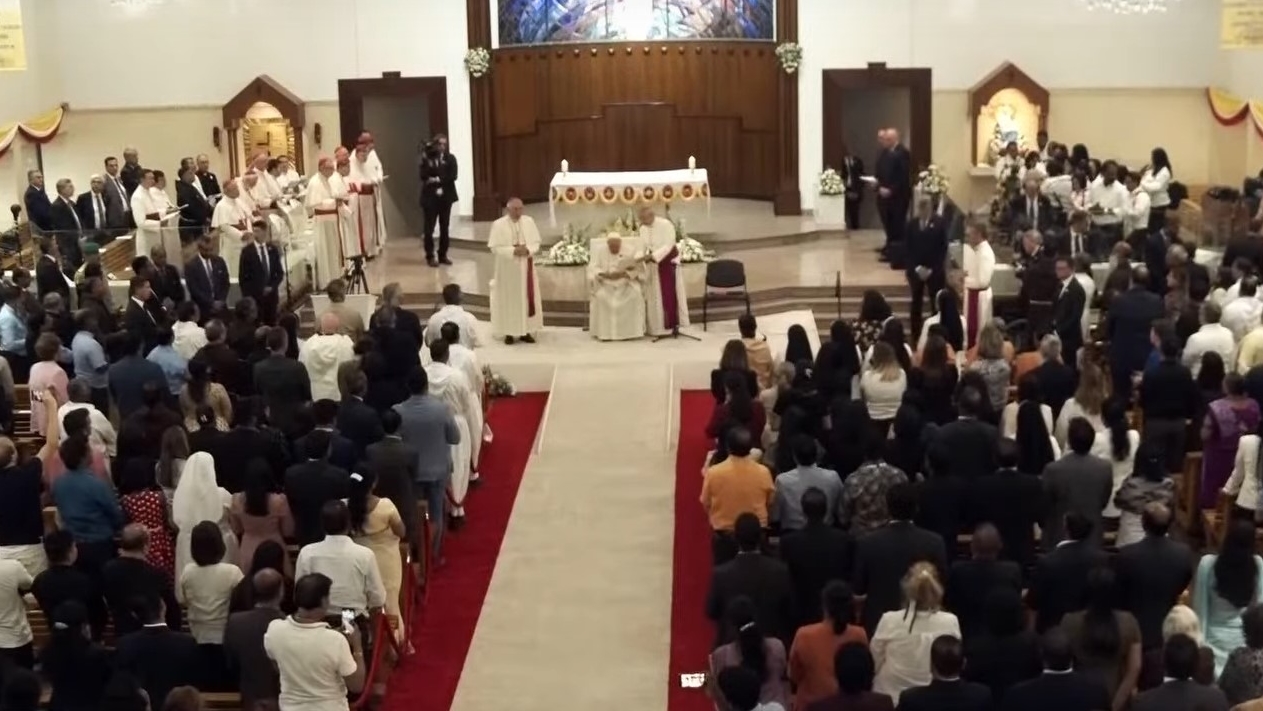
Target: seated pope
(617,307)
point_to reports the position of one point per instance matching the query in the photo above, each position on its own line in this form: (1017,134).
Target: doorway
(858,102)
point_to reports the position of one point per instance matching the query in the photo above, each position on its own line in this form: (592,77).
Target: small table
(627,188)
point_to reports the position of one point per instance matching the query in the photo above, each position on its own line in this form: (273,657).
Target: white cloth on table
(324,202)
(510,311)
(659,241)
(231,219)
(616,306)
(696,180)
(450,385)
(979,265)
(453,313)
(366,182)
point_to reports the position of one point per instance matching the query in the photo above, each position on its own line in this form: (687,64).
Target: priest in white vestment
(231,221)
(326,204)
(323,354)
(616,306)
(350,216)
(169,232)
(517,311)
(453,312)
(372,163)
(463,359)
(666,306)
(365,181)
(266,196)
(286,175)
(149,210)
(979,264)
(449,384)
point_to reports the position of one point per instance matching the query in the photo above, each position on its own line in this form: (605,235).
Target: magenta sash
(666,282)
(971,316)
(530,286)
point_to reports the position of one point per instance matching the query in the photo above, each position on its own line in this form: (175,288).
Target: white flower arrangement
(571,250)
(497,385)
(830,182)
(932,181)
(477,61)
(790,55)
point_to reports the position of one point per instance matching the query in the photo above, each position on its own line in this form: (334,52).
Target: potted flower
(477,61)
(830,210)
(934,183)
(790,55)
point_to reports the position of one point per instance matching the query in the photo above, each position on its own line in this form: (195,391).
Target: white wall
(23,95)
(1059,43)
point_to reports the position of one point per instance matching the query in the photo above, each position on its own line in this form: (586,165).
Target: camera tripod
(356,279)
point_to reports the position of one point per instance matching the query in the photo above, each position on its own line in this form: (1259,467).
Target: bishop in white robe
(350,216)
(517,311)
(979,263)
(449,384)
(666,303)
(616,306)
(151,213)
(327,205)
(365,182)
(231,221)
(267,202)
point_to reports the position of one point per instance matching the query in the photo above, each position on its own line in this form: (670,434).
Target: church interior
(585,566)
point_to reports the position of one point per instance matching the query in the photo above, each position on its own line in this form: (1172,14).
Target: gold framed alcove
(264,116)
(1007,99)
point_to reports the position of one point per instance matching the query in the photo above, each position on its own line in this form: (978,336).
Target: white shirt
(882,396)
(189,338)
(1137,217)
(1241,315)
(1157,186)
(1211,337)
(1112,198)
(98,209)
(1244,482)
(357,584)
(143,204)
(205,591)
(15,631)
(160,199)
(1103,447)
(313,660)
(902,655)
(101,429)
(456,314)
(1059,189)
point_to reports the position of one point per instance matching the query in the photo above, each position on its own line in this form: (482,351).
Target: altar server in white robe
(350,216)
(979,263)
(666,303)
(148,210)
(449,384)
(326,205)
(453,312)
(365,181)
(517,311)
(463,359)
(266,196)
(231,220)
(616,306)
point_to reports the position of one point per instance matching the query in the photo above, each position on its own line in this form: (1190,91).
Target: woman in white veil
(198,497)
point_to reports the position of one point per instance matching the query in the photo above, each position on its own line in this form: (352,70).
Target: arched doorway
(264,116)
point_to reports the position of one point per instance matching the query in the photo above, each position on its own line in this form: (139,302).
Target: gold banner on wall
(1241,24)
(12,38)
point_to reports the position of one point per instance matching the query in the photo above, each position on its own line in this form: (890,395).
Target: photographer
(438,192)
(318,663)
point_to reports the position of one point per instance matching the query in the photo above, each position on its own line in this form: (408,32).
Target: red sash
(530,287)
(366,189)
(971,315)
(666,282)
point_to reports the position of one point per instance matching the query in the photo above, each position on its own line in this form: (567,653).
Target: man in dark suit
(1179,692)
(207,277)
(970,581)
(94,211)
(1078,483)
(815,554)
(1080,238)
(245,442)
(131,373)
(138,318)
(1031,209)
(968,442)
(1010,500)
(755,575)
(1128,325)
(282,383)
(926,247)
(341,452)
(1248,247)
(404,322)
(258,680)
(159,657)
(38,208)
(195,209)
(1057,381)
(1155,248)
(894,187)
(1068,312)
(66,225)
(395,463)
(1059,583)
(118,203)
(260,272)
(883,557)
(1060,687)
(312,484)
(438,192)
(1152,574)
(207,179)
(63,582)
(357,421)
(852,173)
(164,278)
(225,365)
(131,173)
(49,277)
(131,576)
(947,690)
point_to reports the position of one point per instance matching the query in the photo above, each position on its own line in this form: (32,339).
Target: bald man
(257,677)
(328,205)
(131,576)
(894,191)
(208,181)
(517,310)
(323,354)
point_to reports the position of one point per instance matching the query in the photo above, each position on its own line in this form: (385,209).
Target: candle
(692,163)
(565,167)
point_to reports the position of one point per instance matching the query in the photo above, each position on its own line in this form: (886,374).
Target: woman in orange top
(812,652)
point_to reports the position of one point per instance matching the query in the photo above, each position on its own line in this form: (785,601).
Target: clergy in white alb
(372,163)
(449,384)
(286,175)
(327,207)
(350,216)
(979,263)
(231,221)
(366,182)
(453,312)
(266,196)
(666,305)
(616,305)
(151,213)
(517,311)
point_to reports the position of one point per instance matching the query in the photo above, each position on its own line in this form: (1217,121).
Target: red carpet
(426,681)
(691,632)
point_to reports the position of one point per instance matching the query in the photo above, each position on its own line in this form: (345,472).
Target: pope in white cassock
(517,311)
(231,220)
(327,202)
(979,263)
(449,384)
(365,181)
(616,309)
(665,301)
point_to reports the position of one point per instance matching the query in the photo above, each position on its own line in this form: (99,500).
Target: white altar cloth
(628,188)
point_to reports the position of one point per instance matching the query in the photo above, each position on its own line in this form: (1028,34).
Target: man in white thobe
(366,182)
(979,263)
(453,312)
(149,212)
(449,384)
(350,216)
(327,206)
(666,306)
(517,310)
(616,306)
(231,221)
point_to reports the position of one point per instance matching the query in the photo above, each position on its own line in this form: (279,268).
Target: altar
(594,198)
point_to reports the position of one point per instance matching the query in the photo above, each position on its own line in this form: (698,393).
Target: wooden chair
(1187,492)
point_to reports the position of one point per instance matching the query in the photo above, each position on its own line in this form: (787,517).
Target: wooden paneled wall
(637,106)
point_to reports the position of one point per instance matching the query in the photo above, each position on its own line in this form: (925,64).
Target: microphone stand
(837,292)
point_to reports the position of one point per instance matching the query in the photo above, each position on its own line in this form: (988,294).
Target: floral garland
(477,62)
(571,250)
(830,182)
(497,385)
(790,55)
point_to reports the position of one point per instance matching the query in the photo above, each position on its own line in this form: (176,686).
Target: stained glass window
(546,21)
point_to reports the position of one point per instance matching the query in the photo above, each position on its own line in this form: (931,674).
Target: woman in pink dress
(143,502)
(46,373)
(259,514)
